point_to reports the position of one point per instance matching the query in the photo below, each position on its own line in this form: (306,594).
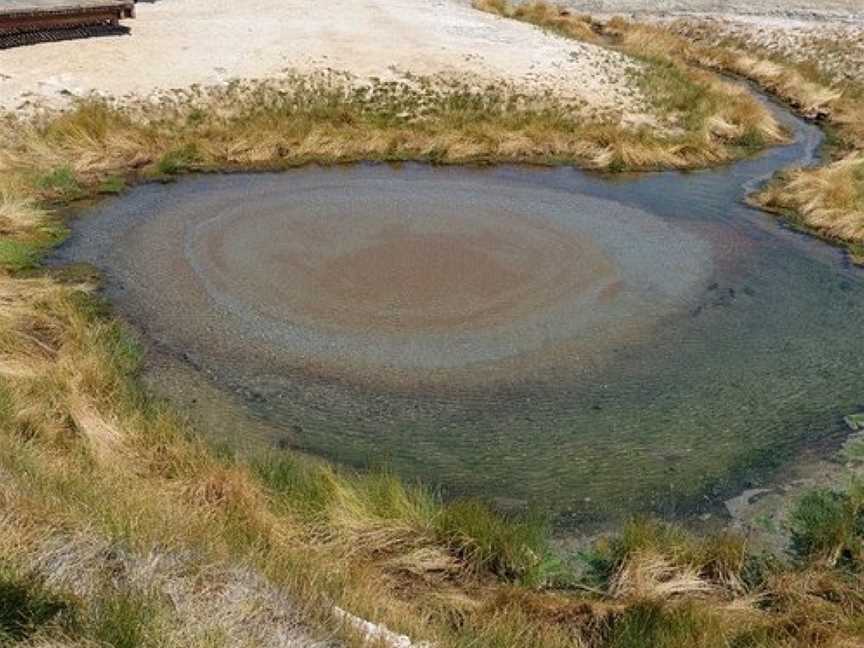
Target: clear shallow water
(595,347)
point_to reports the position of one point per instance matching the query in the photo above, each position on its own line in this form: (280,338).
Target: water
(592,346)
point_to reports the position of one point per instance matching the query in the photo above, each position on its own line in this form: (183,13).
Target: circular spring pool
(592,346)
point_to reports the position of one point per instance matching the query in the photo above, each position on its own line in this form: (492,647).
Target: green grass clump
(829,525)
(512,548)
(26,607)
(304,486)
(126,620)
(18,255)
(752,138)
(720,557)
(673,92)
(655,625)
(178,160)
(111,185)
(61,184)
(387,497)
(88,120)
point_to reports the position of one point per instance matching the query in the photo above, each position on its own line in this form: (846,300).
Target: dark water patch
(596,347)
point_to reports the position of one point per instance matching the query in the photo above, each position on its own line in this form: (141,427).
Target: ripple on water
(382,275)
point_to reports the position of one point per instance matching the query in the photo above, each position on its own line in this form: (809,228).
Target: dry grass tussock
(119,526)
(829,199)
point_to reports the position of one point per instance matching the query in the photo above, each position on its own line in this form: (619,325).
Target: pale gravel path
(176,43)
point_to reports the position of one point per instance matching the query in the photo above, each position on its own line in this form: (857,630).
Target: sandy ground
(177,43)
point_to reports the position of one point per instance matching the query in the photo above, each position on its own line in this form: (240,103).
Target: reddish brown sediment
(445,275)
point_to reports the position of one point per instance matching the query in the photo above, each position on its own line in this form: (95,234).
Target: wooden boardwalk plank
(38,6)
(24,22)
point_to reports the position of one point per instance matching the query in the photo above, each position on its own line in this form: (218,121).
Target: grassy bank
(119,526)
(829,200)
(330,119)
(700,118)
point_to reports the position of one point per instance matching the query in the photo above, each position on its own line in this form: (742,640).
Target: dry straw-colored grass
(332,119)
(829,199)
(547,15)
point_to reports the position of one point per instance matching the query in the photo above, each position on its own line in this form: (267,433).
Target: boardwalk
(27,21)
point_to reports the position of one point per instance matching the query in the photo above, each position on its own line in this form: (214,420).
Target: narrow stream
(592,346)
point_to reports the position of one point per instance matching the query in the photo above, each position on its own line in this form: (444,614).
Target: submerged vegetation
(119,526)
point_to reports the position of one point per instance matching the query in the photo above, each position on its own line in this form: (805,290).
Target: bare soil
(178,43)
